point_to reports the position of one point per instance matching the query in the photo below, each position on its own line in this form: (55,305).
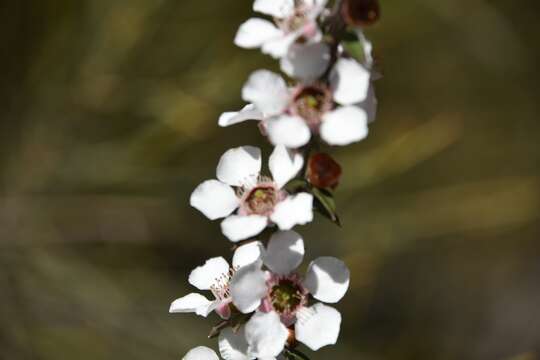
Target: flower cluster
(267,307)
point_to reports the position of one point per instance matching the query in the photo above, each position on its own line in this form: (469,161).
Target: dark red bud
(323,171)
(361,12)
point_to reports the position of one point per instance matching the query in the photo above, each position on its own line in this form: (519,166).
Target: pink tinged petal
(239,165)
(344,126)
(238,227)
(192,303)
(327,279)
(318,326)
(294,210)
(267,91)
(223,309)
(255,32)
(350,81)
(248,287)
(214,199)
(306,61)
(247,254)
(284,164)
(233,346)
(203,277)
(249,112)
(266,335)
(289,131)
(285,251)
(201,353)
(275,8)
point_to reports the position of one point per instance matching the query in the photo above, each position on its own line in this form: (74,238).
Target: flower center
(261,200)
(287,295)
(311,102)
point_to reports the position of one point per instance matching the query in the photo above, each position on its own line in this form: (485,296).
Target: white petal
(214,199)
(247,254)
(318,326)
(266,335)
(203,277)
(268,91)
(327,279)
(306,61)
(201,353)
(237,227)
(350,81)
(370,104)
(294,210)
(255,32)
(248,287)
(344,125)
(290,131)
(192,303)
(233,346)
(238,165)
(279,47)
(275,8)
(248,112)
(285,251)
(284,164)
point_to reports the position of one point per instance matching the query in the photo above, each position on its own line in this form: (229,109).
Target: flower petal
(266,335)
(238,165)
(237,227)
(327,279)
(255,32)
(285,251)
(201,353)
(294,210)
(203,277)
(350,81)
(306,61)
(214,199)
(284,164)
(268,91)
(289,131)
(275,8)
(279,47)
(247,254)
(344,126)
(369,105)
(248,112)
(233,346)
(192,303)
(318,326)
(248,287)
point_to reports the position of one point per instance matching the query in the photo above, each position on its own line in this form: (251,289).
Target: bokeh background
(108,120)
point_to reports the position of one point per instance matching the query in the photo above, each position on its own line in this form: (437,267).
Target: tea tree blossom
(291,115)
(258,201)
(215,276)
(286,295)
(294,20)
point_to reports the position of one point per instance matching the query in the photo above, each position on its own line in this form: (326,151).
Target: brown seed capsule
(361,12)
(323,171)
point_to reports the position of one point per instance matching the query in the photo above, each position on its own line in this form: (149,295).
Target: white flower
(293,20)
(201,353)
(290,116)
(259,201)
(282,294)
(215,275)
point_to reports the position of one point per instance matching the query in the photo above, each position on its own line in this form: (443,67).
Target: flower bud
(323,171)
(360,12)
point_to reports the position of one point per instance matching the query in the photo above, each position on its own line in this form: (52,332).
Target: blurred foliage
(109,120)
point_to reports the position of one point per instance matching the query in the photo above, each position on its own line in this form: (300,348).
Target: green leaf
(296,185)
(326,205)
(355,49)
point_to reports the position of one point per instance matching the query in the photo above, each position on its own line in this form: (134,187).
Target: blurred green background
(109,120)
